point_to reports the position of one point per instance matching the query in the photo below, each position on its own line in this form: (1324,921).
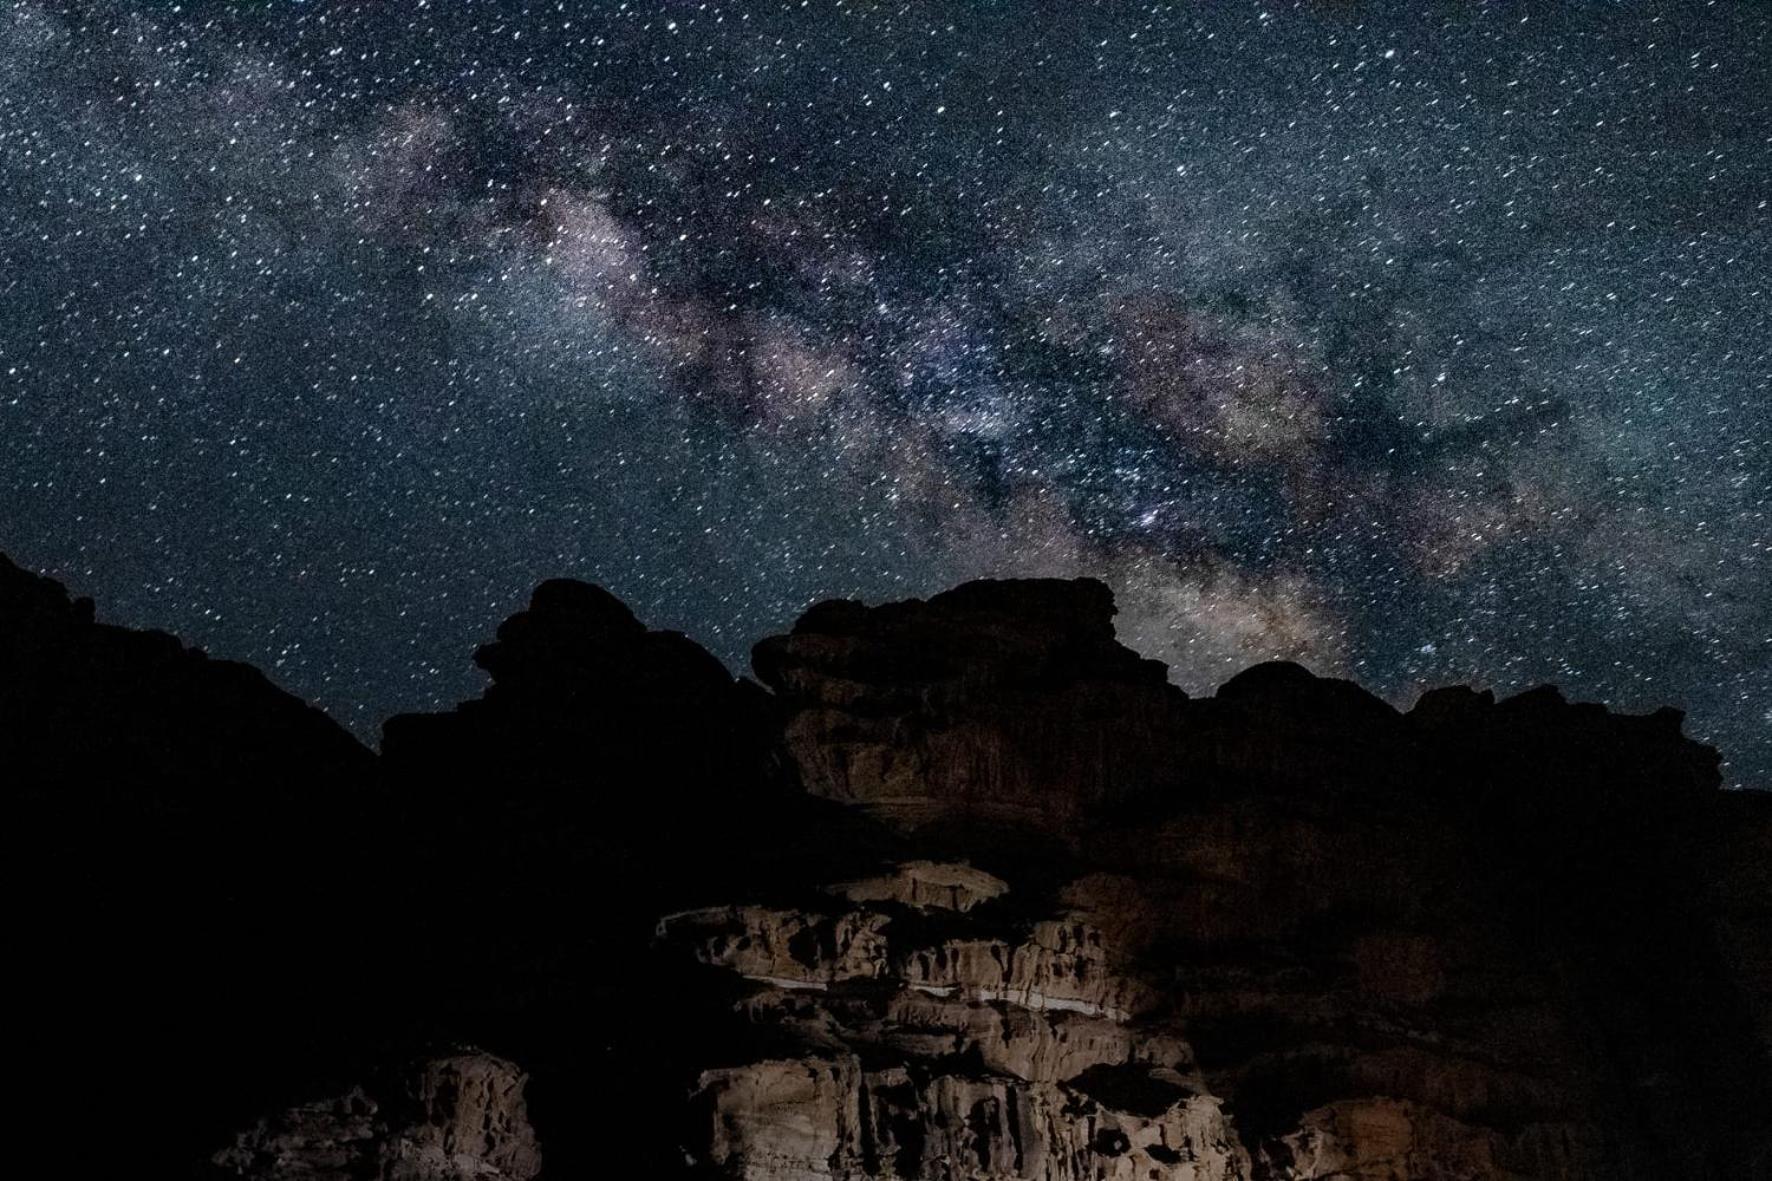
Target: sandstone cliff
(961,889)
(1481,939)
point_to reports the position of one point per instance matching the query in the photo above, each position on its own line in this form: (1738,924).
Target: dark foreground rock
(962,889)
(454,1117)
(179,915)
(89,704)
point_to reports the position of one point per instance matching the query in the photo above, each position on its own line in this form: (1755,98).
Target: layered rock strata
(1470,941)
(929,1044)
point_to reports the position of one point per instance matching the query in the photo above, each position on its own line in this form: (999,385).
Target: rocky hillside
(955,889)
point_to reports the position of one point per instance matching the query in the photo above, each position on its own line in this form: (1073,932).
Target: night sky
(1422,343)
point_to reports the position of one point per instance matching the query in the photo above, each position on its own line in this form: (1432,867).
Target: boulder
(454,1117)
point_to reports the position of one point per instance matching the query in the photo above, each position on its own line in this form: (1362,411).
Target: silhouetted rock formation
(107,706)
(180,905)
(583,692)
(1738,870)
(609,774)
(968,891)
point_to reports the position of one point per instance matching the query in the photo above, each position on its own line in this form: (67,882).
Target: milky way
(1420,346)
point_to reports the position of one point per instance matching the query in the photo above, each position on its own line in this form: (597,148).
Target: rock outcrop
(454,1117)
(963,889)
(180,858)
(119,711)
(975,1043)
(1471,941)
(584,694)
(997,702)
(609,774)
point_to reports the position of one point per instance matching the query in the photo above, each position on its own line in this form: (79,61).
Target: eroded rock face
(1478,940)
(834,1118)
(980,1044)
(994,1045)
(459,1117)
(926,885)
(996,701)
(1058,964)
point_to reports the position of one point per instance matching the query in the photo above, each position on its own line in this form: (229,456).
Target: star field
(1421,346)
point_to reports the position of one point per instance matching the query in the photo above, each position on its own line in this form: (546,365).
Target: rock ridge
(958,888)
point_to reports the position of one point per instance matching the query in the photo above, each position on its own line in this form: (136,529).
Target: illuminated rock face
(968,1044)
(1283,932)
(992,1043)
